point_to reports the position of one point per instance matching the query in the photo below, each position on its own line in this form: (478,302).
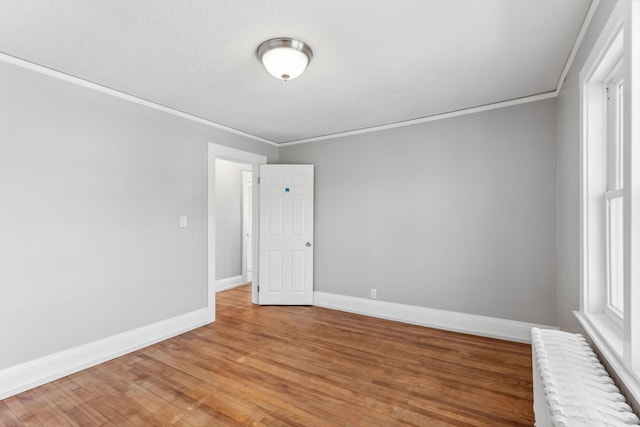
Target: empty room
(320,213)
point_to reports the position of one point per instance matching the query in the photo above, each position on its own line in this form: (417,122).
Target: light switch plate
(183,221)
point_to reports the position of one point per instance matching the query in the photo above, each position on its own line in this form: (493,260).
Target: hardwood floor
(303,366)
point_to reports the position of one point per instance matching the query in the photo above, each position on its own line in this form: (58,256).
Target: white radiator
(570,385)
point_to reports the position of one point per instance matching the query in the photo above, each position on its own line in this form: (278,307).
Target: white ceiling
(375,62)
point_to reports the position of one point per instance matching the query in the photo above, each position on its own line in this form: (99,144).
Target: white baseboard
(485,326)
(229,283)
(25,376)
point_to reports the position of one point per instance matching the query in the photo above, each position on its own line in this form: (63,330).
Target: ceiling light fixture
(285,58)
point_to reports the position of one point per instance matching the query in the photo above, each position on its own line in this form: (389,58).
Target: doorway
(247,226)
(252,160)
(233,220)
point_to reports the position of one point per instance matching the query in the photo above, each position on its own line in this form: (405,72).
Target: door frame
(247,179)
(217,151)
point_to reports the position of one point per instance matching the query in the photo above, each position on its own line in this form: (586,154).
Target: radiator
(570,385)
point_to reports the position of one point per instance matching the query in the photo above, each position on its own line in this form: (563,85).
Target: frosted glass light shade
(285,58)
(285,63)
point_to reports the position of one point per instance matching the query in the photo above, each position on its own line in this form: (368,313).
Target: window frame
(595,178)
(617,342)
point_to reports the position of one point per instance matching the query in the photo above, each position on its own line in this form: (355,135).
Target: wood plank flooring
(293,366)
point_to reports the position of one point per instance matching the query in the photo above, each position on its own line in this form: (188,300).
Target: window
(613,195)
(602,85)
(610,195)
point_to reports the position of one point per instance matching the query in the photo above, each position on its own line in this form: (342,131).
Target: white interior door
(286,235)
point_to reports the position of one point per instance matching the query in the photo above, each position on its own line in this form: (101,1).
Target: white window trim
(620,346)
(605,55)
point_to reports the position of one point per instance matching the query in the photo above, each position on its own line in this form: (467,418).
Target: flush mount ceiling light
(285,58)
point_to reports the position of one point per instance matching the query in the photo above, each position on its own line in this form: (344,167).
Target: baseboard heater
(570,385)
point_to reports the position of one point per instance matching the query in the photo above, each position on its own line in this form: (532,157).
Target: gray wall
(229,218)
(569,175)
(91,190)
(456,214)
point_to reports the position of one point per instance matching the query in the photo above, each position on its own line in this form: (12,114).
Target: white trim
(217,151)
(247,212)
(630,382)
(141,101)
(603,44)
(25,376)
(441,319)
(131,98)
(122,95)
(448,115)
(583,30)
(229,283)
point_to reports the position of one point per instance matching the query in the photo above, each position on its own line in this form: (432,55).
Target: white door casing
(286,235)
(217,151)
(247,229)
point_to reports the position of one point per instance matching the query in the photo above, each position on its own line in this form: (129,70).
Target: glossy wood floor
(303,366)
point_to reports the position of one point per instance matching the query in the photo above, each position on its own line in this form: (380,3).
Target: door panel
(298,215)
(297,271)
(286,235)
(275,216)
(273,271)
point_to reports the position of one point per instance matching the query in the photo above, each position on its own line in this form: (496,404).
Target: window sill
(602,330)
(607,337)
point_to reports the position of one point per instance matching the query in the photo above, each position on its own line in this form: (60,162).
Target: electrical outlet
(373,294)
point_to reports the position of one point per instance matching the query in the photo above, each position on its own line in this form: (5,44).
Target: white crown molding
(435,117)
(576,46)
(19,378)
(125,96)
(109,91)
(229,283)
(485,326)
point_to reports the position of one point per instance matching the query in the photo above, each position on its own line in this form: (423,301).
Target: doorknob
(308,244)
